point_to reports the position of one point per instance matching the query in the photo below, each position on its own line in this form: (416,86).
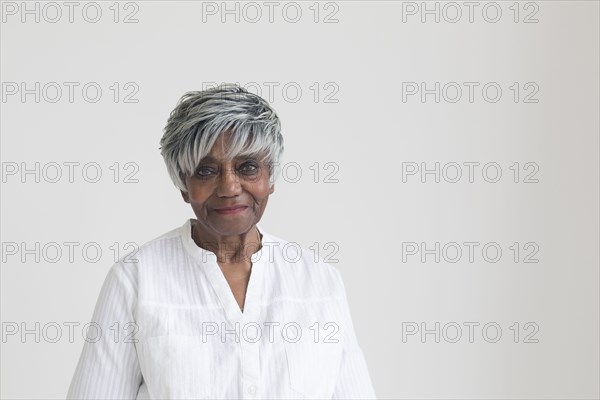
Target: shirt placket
(249,349)
(250,369)
(250,345)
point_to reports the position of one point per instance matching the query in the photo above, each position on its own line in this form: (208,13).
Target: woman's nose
(229,183)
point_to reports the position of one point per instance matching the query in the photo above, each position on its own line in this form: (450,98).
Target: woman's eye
(249,168)
(206,172)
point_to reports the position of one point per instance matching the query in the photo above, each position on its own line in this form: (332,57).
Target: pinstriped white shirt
(172,329)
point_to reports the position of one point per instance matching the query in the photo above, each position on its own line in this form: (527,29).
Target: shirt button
(252,390)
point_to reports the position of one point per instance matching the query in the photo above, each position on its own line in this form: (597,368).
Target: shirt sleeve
(354,381)
(108,367)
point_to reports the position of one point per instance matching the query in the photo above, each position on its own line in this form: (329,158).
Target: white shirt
(172,329)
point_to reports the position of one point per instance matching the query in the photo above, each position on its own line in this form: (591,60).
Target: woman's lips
(231,210)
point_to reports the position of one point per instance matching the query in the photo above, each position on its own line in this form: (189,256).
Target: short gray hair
(200,117)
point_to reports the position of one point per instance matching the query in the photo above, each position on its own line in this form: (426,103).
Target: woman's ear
(272,189)
(186,196)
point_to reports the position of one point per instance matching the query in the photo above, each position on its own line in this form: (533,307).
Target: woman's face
(228,196)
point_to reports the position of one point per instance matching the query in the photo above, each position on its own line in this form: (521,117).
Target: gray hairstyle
(200,117)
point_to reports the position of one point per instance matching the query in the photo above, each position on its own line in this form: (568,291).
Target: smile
(231,210)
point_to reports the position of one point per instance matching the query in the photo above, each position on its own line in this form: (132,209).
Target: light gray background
(369,133)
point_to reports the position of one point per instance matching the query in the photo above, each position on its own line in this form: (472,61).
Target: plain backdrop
(346,79)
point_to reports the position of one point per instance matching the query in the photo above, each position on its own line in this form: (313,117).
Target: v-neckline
(208,260)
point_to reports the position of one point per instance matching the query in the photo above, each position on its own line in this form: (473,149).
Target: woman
(219,308)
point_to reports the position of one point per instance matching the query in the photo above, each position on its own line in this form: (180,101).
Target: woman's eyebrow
(237,158)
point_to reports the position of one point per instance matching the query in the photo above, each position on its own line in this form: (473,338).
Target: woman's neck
(231,249)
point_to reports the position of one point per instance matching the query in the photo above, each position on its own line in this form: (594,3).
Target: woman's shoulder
(148,256)
(295,254)
(309,267)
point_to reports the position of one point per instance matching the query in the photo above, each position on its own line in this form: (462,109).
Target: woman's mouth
(231,210)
